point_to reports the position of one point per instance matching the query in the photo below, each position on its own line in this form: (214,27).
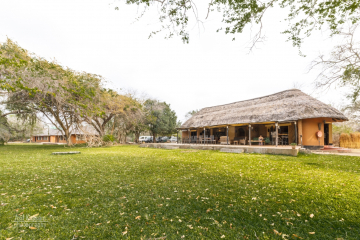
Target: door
(326,134)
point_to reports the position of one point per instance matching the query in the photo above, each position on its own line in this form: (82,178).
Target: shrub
(108,138)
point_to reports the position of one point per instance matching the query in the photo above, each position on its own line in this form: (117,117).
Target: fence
(351,140)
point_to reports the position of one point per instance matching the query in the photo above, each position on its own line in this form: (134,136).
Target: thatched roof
(56,132)
(289,105)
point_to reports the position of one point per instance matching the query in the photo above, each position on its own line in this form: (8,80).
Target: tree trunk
(137,136)
(68,138)
(154,137)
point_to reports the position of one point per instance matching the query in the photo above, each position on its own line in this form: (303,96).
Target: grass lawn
(137,193)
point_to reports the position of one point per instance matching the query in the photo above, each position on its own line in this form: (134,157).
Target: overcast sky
(211,70)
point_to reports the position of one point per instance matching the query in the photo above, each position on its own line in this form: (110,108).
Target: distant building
(56,136)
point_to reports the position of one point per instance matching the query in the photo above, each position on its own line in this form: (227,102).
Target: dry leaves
(33,216)
(311,215)
(32,228)
(311,232)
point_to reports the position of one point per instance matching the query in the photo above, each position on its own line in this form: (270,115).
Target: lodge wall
(55,139)
(309,127)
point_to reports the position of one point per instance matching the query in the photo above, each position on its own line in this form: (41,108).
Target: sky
(211,70)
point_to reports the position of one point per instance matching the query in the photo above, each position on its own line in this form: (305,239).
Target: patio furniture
(239,140)
(212,140)
(223,140)
(285,140)
(256,140)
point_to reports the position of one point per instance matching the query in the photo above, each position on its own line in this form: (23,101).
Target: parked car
(164,139)
(27,140)
(159,139)
(146,139)
(173,139)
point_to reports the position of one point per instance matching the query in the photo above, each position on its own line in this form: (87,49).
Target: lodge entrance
(326,134)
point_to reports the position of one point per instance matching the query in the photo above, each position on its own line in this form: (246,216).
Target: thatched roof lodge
(293,115)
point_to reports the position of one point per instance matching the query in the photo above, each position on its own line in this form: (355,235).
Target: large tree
(46,87)
(161,120)
(102,110)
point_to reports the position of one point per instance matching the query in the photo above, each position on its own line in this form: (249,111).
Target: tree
(303,16)
(16,120)
(36,84)
(160,118)
(342,66)
(101,111)
(191,113)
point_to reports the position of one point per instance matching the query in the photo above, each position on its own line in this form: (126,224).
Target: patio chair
(285,140)
(206,139)
(243,141)
(212,140)
(223,140)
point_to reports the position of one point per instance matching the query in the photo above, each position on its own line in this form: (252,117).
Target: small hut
(283,118)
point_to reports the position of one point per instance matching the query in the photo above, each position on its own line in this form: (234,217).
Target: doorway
(326,134)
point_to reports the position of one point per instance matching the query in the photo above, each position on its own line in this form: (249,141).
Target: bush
(108,138)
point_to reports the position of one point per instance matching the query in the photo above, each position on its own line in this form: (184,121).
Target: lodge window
(80,137)
(284,129)
(218,132)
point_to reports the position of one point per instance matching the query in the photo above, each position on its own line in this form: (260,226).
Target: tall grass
(351,140)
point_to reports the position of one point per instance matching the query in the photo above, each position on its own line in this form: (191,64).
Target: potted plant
(293,145)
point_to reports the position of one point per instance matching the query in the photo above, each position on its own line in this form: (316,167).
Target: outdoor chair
(223,140)
(206,139)
(285,140)
(243,141)
(212,140)
(239,140)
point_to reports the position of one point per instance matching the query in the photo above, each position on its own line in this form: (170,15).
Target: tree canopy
(31,85)
(303,16)
(161,120)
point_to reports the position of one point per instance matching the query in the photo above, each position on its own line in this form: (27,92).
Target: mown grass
(137,193)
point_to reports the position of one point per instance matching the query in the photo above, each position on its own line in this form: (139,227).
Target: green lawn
(138,193)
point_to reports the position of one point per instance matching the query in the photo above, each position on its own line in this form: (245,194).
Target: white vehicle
(145,139)
(173,139)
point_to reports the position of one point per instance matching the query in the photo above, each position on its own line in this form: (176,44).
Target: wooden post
(296,140)
(204,136)
(227,135)
(300,133)
(189,133)
(250,134)
(277,133)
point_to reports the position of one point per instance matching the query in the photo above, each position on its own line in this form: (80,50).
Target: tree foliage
(161,120)
(303,16)
(342,66)
(70,99)
(35,84)
(191,113)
